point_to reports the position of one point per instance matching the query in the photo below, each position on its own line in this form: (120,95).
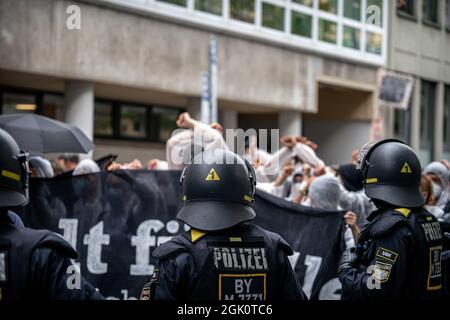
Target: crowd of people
(302,177)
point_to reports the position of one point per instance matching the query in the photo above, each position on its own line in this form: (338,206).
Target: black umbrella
(38,134)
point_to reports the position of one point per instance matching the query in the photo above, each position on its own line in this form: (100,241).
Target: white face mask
(306,202)
(437,189)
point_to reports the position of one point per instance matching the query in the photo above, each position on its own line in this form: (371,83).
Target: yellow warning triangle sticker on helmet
(212,176)
(406,168)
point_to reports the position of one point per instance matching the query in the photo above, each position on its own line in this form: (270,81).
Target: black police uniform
(228,259)
(35,265)
(404,248)
(398,253)
(243,263)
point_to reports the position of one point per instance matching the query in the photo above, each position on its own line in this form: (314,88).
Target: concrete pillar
(415,117)
(229,118)
(194,108)
(438,135)
(79,102)
(79,108)
(290,123)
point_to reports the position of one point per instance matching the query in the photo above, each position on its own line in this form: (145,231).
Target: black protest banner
(116,220)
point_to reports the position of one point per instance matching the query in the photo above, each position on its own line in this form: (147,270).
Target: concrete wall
(337,139)
(128,151)
(159,56)
(422,50)
(417,48)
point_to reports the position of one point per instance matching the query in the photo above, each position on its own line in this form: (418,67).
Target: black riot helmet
(217,190)
(392,173)
(13,173)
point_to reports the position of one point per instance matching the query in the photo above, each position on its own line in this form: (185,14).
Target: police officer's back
(33,264)
(223,256)
(398,253)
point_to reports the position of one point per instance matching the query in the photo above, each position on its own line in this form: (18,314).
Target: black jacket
(399,256)
(243,263)
(36,265)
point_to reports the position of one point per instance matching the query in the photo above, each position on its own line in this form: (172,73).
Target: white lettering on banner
(147,238)
(70,230)
(329,290)
(144,240)
(312,264)
(94,241)
(294,259)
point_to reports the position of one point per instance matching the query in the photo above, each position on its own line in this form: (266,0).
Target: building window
(243,10)
(327,31)
(103,119)
(352,9)
(374,43)
(328,5)
(18,103)
(427,111)
(272,16)
(430,11)
(406,7)
(210,6)
(52,106)
(374,7)
(133,121)
(301,24)
(164,122)
(307,3)
(351,38)
(175,2)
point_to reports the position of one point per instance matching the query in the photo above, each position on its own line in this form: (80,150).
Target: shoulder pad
(55,241)
(170,248)
(285,246)
(388,222)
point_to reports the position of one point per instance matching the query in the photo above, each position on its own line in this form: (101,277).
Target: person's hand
(152,164)
(446,163)
(288,141)
(312,145)
(319,170)
(185,121)
(306,141)
(218,127)
(287,170)
(350,219)
(355,156)
(114,167)
(257,163)
(301,139)
(134,165)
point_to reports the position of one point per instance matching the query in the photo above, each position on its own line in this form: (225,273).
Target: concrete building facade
(419,44)
(303,66)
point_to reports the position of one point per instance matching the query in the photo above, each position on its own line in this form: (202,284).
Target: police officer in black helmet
(223,256)
(398,253)
(33,264)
